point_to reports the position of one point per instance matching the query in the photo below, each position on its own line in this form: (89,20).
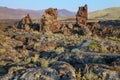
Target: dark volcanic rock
(104,30)
(110,23)
(33,74)
(65,70)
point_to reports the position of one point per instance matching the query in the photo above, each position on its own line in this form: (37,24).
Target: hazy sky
(71,5)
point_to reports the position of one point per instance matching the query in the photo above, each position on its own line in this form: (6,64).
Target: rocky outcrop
(25,23)
(49,21)
(104,30)
(81,20)
(82,15)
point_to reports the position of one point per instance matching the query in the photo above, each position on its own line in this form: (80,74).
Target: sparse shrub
(95,58)
(103,75)
(78,74)
(35,32)
(93,44)
(54,60)
(35,58)
(83,78)
(75,50)
(2,50)
(16,59)
(83,37)
(44,63)
(14,69)
(36,45)
(90,75)
(103,50)
(49,33)
(59,50)
(86,68)
(114,38)
(25,52)
(2,62)
(27,60)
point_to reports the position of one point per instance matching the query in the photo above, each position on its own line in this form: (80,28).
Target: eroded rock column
(81,20)
(49,21)
(82,15)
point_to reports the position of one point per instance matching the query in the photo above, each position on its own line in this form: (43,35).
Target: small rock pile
(25,23)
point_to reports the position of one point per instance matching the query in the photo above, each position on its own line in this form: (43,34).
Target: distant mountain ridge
(109,13)
(9,13)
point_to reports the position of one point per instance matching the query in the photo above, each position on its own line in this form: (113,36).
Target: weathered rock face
(49,21)
(81,20)
(25,23)
(82,15)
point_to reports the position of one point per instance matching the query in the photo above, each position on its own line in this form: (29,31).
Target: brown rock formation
(81,20)
(49,21)
(82,15)
(25,23)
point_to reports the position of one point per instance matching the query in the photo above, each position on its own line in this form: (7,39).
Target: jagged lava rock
(65,70)
(33,74)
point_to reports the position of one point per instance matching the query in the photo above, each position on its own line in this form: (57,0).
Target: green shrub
(78,74)
(103,50)
(35,58)
(2,50)
(90,75)
(28,60)
(44,63)
(59,50)
(75,50)
(114,38)
(93,44)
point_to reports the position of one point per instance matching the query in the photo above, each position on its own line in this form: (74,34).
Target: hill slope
(9,13)
(109,13)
